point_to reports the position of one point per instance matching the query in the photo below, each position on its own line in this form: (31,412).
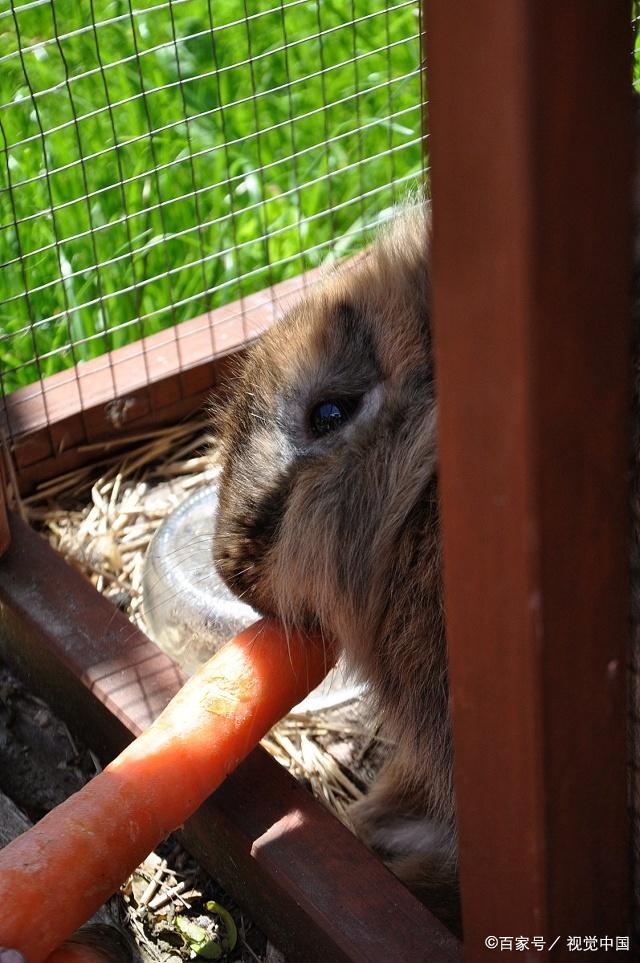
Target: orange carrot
(54,876)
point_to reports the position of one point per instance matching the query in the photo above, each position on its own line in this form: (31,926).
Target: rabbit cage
(176,173)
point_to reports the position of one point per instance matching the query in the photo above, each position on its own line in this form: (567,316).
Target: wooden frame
(532,340)
(5,534)
(533,348)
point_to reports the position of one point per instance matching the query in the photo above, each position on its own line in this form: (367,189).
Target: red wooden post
(531,157)
(5,534)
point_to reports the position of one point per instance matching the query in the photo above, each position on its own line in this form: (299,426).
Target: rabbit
(328,519)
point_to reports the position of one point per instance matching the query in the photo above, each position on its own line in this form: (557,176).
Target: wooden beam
(5,534)
(307,882)
(531,151)
(157,380)
(13,822)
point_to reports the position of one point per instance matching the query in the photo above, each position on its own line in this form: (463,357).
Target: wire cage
(163,160)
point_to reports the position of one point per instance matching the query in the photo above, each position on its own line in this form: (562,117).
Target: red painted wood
(5,534)
(531,157)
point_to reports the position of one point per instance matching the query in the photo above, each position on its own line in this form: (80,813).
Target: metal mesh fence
(158,160)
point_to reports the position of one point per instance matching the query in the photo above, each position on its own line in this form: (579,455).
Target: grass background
(107,234)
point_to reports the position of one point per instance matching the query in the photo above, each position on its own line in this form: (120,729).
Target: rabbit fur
(339,531)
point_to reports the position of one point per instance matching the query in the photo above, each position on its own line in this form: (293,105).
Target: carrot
(54,876)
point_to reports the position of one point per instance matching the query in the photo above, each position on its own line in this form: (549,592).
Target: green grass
(256,211)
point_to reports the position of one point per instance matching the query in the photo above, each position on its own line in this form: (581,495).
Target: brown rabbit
(329,518)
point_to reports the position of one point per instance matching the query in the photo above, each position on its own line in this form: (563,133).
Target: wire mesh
(159,160)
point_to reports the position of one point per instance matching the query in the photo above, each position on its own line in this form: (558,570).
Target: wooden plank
(13,822)
(290,850)
(73,454)
(5,535)
(311,886)
(531,161)
(150,382)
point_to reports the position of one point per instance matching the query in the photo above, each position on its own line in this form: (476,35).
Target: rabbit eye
(328,416)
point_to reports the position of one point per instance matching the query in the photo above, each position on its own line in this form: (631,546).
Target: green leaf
(198,939)
(231,938)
